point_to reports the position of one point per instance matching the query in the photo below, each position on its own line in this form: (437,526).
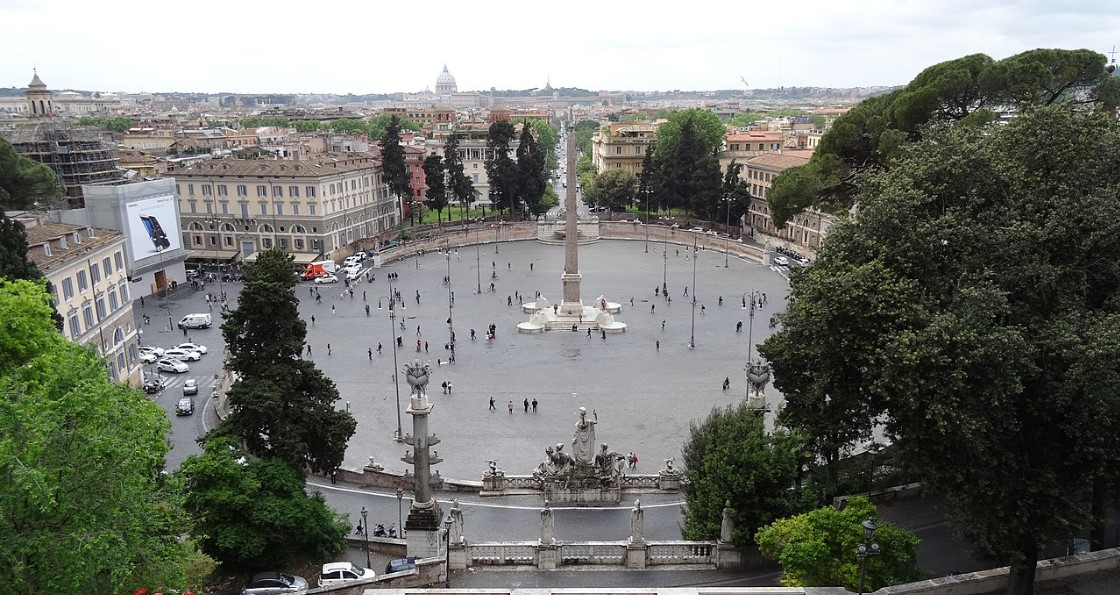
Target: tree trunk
(1020,580)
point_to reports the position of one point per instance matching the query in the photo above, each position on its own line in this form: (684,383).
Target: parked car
(182,354)
(353,275)
(185,406)
(400,564)
(337,573)
(156,350)
(190,387)
(781,260)
(196,321)
(171,365)
(149,357)
(320,280)
(272,582)
(192,347)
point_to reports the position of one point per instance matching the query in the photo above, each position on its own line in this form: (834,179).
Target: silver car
(272,583)
(190,387)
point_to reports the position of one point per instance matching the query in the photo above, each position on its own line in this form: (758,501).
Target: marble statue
(493,469)
(637,517)
(669,468)
(548,525)
(583,443)
(456,522)
(726,524)
(417,373)
(608,464)
(758,375)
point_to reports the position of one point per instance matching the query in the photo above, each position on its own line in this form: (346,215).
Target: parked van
(196,321)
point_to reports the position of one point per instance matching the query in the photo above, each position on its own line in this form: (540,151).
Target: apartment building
(432,119)
(89,281)
(324,205)
(622,146)
(805,230)
(474,154)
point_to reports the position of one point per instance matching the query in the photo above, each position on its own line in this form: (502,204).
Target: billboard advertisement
(152,226)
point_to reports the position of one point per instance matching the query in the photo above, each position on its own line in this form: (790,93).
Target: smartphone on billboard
(159,237)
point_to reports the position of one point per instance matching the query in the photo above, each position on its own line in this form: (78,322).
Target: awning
(212,254)
(304,258)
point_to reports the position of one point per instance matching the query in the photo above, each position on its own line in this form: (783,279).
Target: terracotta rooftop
(63,248)
(261,168)
(777,160)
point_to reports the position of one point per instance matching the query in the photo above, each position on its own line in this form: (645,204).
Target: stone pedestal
(458,556)
(423,530)
(636,555)
(727,556)
(494,482)
(669,482)
(548,556)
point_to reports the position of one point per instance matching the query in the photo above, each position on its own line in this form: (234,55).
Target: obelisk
(571,305)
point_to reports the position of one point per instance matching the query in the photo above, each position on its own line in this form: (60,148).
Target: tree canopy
(501,171)
(966,90)
(817,548)
(282,406)
(531,180)
(119,124)
(612,189)
(378,123)
(459,184)
(392,160)
(79,460)
(728,457)
(24,183)
(709,131)
(971,304)
(435,196)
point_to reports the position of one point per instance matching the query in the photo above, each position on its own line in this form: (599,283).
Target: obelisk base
(423,527)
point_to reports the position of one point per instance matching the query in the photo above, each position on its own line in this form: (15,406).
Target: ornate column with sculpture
(424,515)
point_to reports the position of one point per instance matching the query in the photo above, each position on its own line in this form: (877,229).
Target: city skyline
(247,48)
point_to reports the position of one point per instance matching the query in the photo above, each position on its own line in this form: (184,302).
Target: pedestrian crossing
(204,381)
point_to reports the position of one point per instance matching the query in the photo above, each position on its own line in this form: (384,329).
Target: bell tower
(39,103)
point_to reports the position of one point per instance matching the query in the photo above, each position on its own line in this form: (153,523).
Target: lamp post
(365,533)
(478,265)
(393,344)
(873,450)
(447,550)
(166,290)
(400,514)
(450,302)
(727,227)
(664,265)
(867,548)
(692,337)
(498,233)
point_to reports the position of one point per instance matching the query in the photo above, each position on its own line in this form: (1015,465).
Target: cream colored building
(86,268)
(622,146)
(232,209)
(806,229)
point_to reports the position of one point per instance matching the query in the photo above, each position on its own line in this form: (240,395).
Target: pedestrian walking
(631,302)
(379,349)
(141,301)
(588,332)
(418,346)
(530,266)
(418,330)
(367,309)
(444,385)
(701,309)
(309,349)
(492,407)
(604,331)
(510,406)
(630,459)
(425,347)
(727,383)
(633,460)
(363,296)
(652,307)
(328,348)
(739,326)
(332,309)
(659,344)
(721,300)
(662,325)
(184,331)
(526,405)
(370,352)
(534,404)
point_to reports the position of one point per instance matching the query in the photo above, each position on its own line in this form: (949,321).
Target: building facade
(90,287)
(232,209)
(622,147)
(806,229)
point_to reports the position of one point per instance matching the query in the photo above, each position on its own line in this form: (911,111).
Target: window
(295,208)
(197,241)
(120,361)
(225,207)
(264,208)
(113,303)
(262,190)
(311,208)
(87,312)
(75,329)
(228,241)
(213,241)
(353,184)
(293,191)
(206,190)
(119,260)
(222,190)
(133,352)
(618,150)
(244,210)
(310,191)
(637,150)
(266,242)
(299,244)
(95,273)
(193,206)
(283,243)
(67,289)
(101,307)
(124,292)
(190,189)
(242,190)
(278,191)
(279,209)
(83,284)
(107,266)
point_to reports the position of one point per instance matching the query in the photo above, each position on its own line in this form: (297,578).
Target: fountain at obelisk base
(571,314)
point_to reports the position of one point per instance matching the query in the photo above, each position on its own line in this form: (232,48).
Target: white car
(182,354)
(148,357)
(338,573)
(150,349)
(192,347)
(172,365)
(781,260)
(326,279)
(353,275)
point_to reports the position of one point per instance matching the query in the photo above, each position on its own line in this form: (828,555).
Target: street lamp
(867,548)
(478,264)
(365,533)
(450,302)
(664,265)
(692,337)
(400,514)
(498,233)
(447,550)
(393,345)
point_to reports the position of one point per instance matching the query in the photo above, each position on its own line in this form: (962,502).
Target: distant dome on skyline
(445,83)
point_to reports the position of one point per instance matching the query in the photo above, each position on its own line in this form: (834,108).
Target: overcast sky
(381,46)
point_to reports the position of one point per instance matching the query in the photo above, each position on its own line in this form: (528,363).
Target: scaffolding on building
(78,155)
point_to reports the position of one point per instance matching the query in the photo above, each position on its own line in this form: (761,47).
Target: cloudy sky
(372,46)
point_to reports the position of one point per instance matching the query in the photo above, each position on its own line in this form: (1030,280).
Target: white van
(196,321)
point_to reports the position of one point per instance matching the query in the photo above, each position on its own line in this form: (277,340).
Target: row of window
(761,146)
(637,150)
(96,271)
(277,191)
(755,174)
(117,298)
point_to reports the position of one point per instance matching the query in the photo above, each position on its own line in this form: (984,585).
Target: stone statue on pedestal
(456,523)
(583,443)
(726,524)
(547,524)
(637,516)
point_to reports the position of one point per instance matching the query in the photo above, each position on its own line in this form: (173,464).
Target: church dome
(445,83)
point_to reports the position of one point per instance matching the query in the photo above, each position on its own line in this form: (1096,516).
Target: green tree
(734,193)
(708,129)
(378,123)
(282,406)
(256,513)
(392,161)
(728,457)
(458,183)
(25,184)
(817,549)
(613,189)
(584,130)
(79,461)
(436,195)
(349,125)
(971,299)
(706,188)
(119,124)
(531,180)
(501,171)
(306,125)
